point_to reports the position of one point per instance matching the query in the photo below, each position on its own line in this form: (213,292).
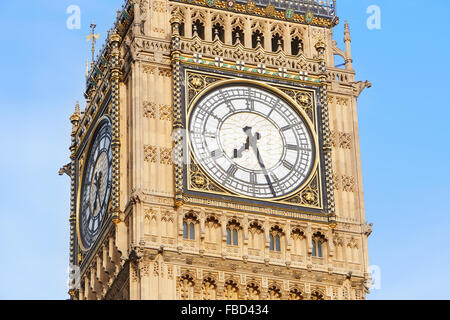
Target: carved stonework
(154,154)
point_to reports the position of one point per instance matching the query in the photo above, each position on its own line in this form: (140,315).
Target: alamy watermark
(374,19)
(74,20)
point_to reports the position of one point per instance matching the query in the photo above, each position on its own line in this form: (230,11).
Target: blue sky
(403,123)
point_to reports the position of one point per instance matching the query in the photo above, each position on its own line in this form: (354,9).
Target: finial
(75,117)
(280,46)
(195,30)
(348,47)
(216,34)
(238,38)
(93,37)
(347,32)
(258,41)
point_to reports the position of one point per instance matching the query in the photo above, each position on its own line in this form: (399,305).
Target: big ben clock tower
(217,156)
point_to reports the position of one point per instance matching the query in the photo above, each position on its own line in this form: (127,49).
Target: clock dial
(251,141)
(96,186)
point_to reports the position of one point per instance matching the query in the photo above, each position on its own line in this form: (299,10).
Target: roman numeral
(253,178)
(216,154)
(288,165)
(232,170)
(293,147)
(250,104)
(289,127)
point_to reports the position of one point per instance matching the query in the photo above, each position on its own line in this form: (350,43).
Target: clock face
(251,141)
(96,186)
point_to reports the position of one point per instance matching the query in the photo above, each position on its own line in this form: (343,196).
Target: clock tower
(217,156)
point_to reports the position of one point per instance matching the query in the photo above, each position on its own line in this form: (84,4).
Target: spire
(348,47)
(75,117)
(93,37)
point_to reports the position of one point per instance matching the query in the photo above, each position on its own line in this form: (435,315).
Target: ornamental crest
(289,14)
(270,10)
(309,16)
(251,6)
(231,4)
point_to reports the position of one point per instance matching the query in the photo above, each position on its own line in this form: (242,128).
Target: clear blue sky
(403,122)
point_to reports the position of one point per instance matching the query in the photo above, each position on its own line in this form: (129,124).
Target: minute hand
(254,146)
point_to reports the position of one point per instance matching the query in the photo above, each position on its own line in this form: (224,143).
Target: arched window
(296,46)
(181,29)
(198,29)
(189,226)
(317,245)
(185,230)
(275,238)
(235,237)
(277,243)
(319,249)
(238,35)
(257,38)
(191,231)
(277,42)
(231,290)
(233,228)
(218,32)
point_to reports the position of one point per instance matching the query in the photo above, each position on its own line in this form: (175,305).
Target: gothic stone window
(277,42)
(316,295)
(317,242)
(198,28)
(189,226)
(275,238)
(238,35)
(186,287)
(253,291)
(257,38)
(296,46)
(274,293)
(218,32)
(209,289)
(295,294)
(233,230)
(231,290)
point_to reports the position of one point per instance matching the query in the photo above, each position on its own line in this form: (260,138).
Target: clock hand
(98,177)
(252,142)
(263,167)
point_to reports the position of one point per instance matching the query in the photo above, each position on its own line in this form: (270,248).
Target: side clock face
(96,185)
(251,142)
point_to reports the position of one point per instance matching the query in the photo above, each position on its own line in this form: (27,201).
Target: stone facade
(163,244)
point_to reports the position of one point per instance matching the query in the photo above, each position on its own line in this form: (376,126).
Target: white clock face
(251,142)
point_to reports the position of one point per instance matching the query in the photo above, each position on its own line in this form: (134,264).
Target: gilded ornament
(197,82)
(270,10)
(199,181)
(304,99)
(310,197)
(251,6)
